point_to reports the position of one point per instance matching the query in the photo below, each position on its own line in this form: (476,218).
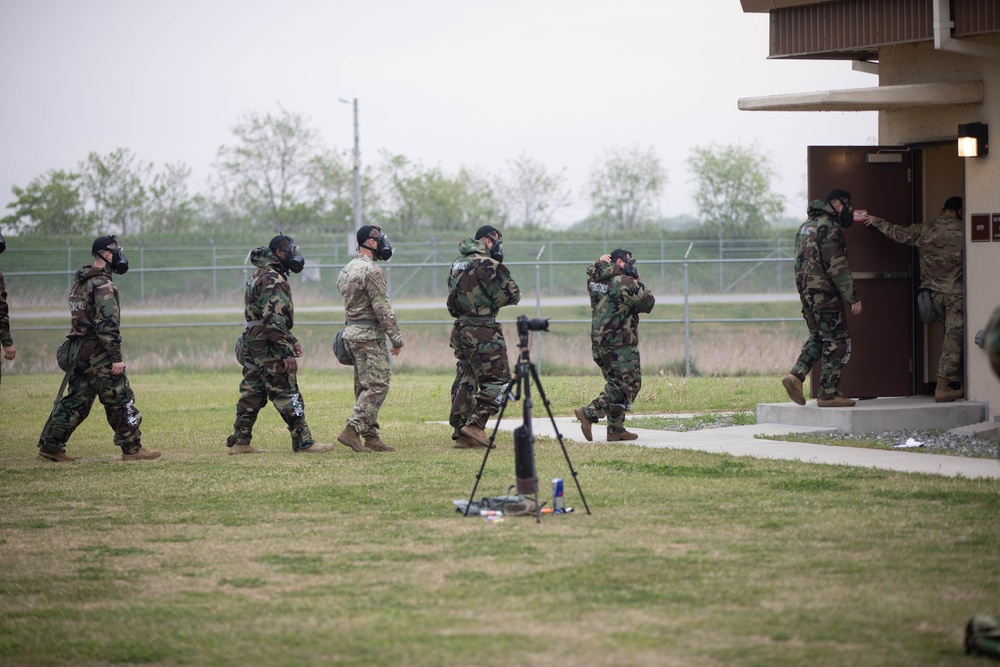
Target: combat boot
(622,435)
(58,457)
(944,393)
(836,401)
(793,386)
(350,438)
(141,454)
(374,443)
(244,449)
(476,434)
(314,448)
(584,424)
(465,442)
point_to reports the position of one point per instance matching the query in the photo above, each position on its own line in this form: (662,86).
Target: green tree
(170,207)
(266,176)
(733,190)
(50,204)
(625,187)
(114,185)
(530,195)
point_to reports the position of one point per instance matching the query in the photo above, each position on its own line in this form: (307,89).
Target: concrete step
(878,415)
(982,428)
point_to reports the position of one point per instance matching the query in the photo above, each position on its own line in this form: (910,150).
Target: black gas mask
(294,261)
(496,251)
(118,261)
(629,268)
(383,249)
(846,214)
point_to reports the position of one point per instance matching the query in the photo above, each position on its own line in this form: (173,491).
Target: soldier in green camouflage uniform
(6,341)
(99,371)
(940,244)
(991,341)
(823,279)
(479,285)
(369,319)
(616,298)
(271,351)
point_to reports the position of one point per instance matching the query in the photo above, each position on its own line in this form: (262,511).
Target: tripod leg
(548,409)
(479,475)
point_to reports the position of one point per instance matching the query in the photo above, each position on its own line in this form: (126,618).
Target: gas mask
(846,215)
(119,262)
(496,251)
(629,268)
(294,261)
(3,243)
(383,249)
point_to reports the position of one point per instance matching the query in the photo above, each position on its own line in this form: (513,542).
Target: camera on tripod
(524,325)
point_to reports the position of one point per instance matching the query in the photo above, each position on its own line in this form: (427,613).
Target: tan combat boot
(58,457)
(836,401)
(793,386)
(622,435)
(584,424)
(350,438)
(374,443)
(141,454)
(945,394)
(476,434)
(315,448)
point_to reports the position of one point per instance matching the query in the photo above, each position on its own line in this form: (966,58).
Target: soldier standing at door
(941,261)
(823,279)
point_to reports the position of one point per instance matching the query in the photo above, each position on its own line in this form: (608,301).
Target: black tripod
(524,437)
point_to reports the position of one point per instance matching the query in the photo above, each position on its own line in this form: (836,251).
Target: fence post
(663,266)
(721,283)
(687,319)
(434,270)
(212,241)
(142,272)
(69,265)
(777,265)
(538,306)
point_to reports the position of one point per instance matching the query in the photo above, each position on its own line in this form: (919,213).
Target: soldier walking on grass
(479,285)
(616,298)
(6,341)
(97,369)
(823,279)
(271,351)
(940,244)
(369,319)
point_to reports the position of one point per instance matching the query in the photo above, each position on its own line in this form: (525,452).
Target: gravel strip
(933,442)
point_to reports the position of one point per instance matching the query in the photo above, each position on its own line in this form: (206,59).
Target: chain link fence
(724,307)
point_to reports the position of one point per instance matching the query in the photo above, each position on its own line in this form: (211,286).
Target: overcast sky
(443,82)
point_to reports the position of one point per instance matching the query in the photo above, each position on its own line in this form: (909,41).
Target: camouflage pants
(828,340)
(371,382)
(482,373)
(90,379)
(622,373)
(268,380)
(950,309)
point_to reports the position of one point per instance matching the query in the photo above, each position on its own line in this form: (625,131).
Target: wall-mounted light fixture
(973,140)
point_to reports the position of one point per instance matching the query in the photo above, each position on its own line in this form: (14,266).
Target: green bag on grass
(982,635)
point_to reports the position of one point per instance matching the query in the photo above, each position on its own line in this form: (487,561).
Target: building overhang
(883,98)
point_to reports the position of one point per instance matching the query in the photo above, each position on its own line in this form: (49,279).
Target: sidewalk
(740,441)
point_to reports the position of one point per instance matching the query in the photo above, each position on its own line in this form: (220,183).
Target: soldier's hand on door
(856,308)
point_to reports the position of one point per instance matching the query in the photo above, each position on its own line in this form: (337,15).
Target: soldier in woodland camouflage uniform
(479,285)
(823,278)
(271,351)
(5,338)
(369,320)
(940,243)
(991,341)
(616,299)
(99,371)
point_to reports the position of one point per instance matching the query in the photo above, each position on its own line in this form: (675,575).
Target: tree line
(277,174)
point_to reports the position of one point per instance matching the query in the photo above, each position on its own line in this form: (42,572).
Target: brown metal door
(882,336)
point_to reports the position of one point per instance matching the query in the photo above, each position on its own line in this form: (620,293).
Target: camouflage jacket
(478,285)
(95,311)
(362,284)
(821,255)
(616,300)
(5,338)
(940,245)
(268,299)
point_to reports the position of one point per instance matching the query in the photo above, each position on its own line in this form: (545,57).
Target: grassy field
(200,558)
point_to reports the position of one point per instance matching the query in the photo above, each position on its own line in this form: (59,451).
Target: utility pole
(357,167)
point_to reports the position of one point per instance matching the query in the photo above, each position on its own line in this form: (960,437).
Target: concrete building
(935,66)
